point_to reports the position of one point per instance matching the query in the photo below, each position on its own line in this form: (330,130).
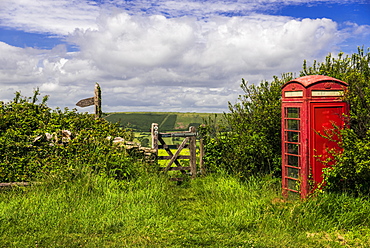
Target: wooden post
(97,101)
(154,132)
(193,153)
(201,155)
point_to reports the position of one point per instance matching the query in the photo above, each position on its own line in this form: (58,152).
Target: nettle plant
(34,143)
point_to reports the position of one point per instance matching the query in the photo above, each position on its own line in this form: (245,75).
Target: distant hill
(167,121)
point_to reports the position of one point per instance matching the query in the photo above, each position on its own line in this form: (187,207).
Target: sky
(167,55)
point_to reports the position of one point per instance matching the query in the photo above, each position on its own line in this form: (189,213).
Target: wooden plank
(169,152)
(201,156)
(171,146)
(177,153)
(170,157)
(15,184)
(177,168)
(178,134)
(193,153)
(85,102)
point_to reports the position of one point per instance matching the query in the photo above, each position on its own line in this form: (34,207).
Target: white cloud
(149,62)
(57,17)
(61,17)
(177,51)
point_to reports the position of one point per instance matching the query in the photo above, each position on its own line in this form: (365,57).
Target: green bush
(249,141)
(33,145)
(351,171)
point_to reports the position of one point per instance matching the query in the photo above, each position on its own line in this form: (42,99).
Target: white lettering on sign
(327,93)
(293,93)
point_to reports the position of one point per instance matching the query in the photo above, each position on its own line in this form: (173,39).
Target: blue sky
(167,55)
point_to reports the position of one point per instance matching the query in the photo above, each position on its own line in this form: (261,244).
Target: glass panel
(292,136)
(292,148)
(293,160)
(293,184)
(292,172)
(292,113)
(292,124)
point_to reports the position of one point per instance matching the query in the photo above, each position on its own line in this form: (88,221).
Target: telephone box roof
(307,81)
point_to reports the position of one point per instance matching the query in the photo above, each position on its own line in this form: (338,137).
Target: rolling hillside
(168,121)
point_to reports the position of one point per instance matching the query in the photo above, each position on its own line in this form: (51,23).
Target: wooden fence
(188,142)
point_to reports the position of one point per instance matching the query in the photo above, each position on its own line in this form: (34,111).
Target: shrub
(249,141)
(33,145)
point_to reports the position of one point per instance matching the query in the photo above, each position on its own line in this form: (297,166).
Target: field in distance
(167,121)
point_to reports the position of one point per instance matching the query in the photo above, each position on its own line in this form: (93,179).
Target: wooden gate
(188,142)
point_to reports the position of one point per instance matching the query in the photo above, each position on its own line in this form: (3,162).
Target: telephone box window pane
(293,184)
(293,148)
(292,112)
(293,172)
(292,136)
(293,160)
(292,124)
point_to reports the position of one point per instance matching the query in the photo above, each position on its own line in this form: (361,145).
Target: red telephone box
(311,107)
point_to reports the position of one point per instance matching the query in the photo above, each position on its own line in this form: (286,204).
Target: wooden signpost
(86,102)
(95,100)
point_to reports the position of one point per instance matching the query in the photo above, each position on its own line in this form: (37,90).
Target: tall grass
(151,211)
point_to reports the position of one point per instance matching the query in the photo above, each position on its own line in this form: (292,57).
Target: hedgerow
(33,146)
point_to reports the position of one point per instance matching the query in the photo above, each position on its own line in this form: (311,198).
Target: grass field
(211,211)
(167,121)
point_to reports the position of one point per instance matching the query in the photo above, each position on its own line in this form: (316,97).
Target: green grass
(167,121)
(212,211)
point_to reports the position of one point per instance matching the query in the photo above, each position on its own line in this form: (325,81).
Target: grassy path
(214,211)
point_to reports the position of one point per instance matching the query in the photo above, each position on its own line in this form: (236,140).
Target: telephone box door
(324,134)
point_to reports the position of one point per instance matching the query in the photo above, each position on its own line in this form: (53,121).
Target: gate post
(201,156)
(154,132)
(193,153)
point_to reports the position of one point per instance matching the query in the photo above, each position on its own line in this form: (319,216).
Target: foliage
(151,211)
(250,141)
(33,145)
(351,172)
(355,70)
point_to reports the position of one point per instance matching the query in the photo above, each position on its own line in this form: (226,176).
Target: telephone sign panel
(312,108)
